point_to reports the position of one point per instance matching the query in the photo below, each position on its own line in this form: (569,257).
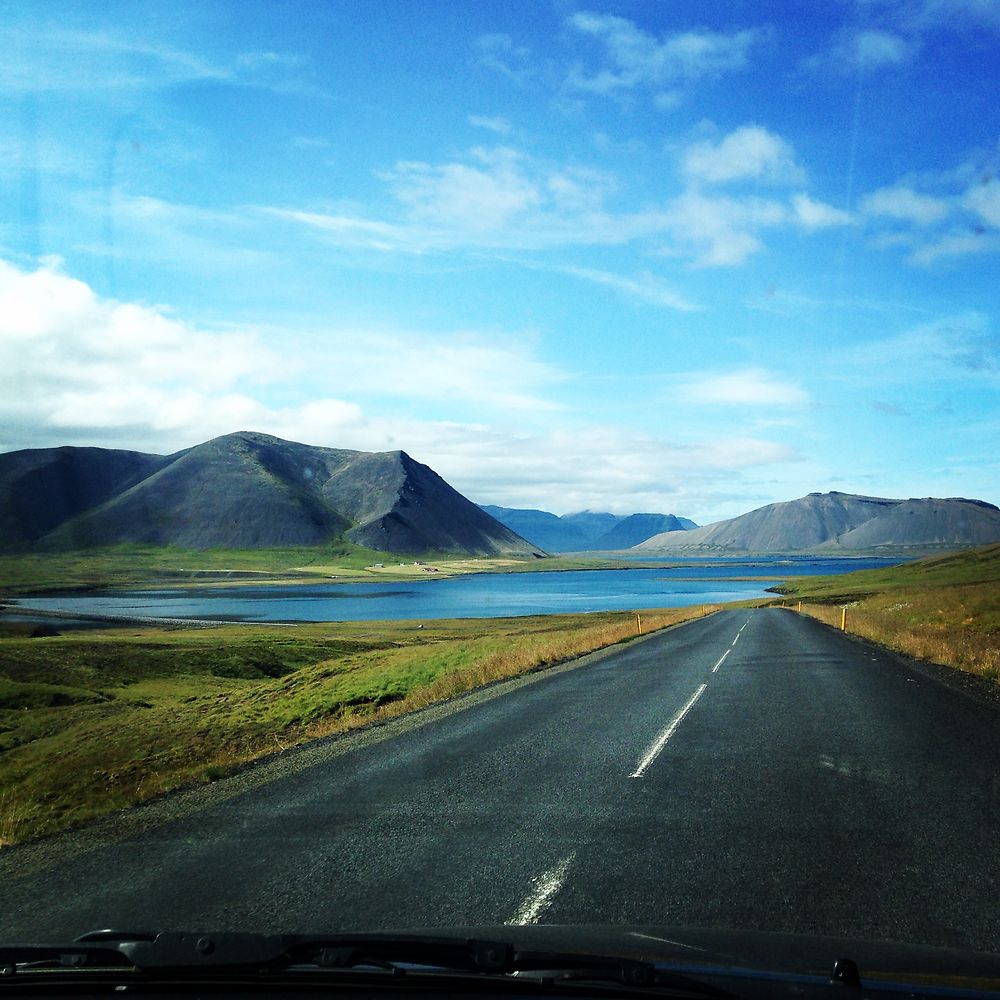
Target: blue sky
(679,257)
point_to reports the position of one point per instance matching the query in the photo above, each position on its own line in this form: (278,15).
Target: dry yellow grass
(954,626)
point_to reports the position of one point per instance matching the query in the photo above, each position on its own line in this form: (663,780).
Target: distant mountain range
(586,530)
(242,490)
(250,490)
(841,522)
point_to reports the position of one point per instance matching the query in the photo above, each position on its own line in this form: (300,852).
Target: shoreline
(19,611)
(431,571)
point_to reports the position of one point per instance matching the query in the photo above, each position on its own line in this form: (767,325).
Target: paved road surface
(752,769)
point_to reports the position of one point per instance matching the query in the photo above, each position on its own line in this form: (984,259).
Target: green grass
(970,567)
(125,566)
(945,608)
(96,721)
(134,565)
(28,694)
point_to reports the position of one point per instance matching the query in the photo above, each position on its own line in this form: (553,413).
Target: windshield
(407,414)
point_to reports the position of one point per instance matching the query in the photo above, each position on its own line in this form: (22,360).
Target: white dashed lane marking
(543,889)
(661,741)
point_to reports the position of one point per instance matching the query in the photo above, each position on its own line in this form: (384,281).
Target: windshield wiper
(216,956)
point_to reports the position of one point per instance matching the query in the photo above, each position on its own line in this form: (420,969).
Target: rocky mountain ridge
(841,523)
(241,490)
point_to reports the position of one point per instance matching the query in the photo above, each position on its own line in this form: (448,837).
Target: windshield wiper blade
(172,953)
(175,950)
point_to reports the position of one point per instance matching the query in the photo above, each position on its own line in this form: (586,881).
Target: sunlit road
(750,770)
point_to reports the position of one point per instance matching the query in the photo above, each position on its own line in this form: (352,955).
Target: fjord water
(475,596)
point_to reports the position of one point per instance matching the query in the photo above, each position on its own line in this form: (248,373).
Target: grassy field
(97,721)
(125,566)
(134,565)
(945,609)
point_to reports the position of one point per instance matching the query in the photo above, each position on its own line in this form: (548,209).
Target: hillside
(43,488)
(979,566)
(637,528)
(586,530)
(842,522)
(932,523)
(239,491)
(548,531)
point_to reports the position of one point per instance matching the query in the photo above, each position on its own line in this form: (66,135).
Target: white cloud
(637,57)
(500,53)
(495,124)
(961,244)
(186,237)
(502,199)
(499,372)
(747,387)
(901,30)
(748,153)
(903,203)
(984,200)
(63,60)
(354,231)
(554,469)
(960,219)
(480,196)
(955,348)
(817,215)
(855,52)
(52,325)
(71,360)
(958,14)
(113,64)
(498,198)
(792,303)
(646,288)
(869,50)
(668,100)
(719,232)
(578,189)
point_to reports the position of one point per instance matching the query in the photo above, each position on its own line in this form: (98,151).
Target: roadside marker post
(843,618)
(638,624)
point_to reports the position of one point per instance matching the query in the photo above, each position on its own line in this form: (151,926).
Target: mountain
(592,523)
(43,488)
(637,528)
(842,522)
(548,531)
(242,490)
(928,522)
(586,530)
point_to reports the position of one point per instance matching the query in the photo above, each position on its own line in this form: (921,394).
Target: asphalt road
(749,770)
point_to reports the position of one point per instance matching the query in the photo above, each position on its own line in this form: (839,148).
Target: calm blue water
(480,596)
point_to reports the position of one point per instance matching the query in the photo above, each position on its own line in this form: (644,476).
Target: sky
(673,257)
